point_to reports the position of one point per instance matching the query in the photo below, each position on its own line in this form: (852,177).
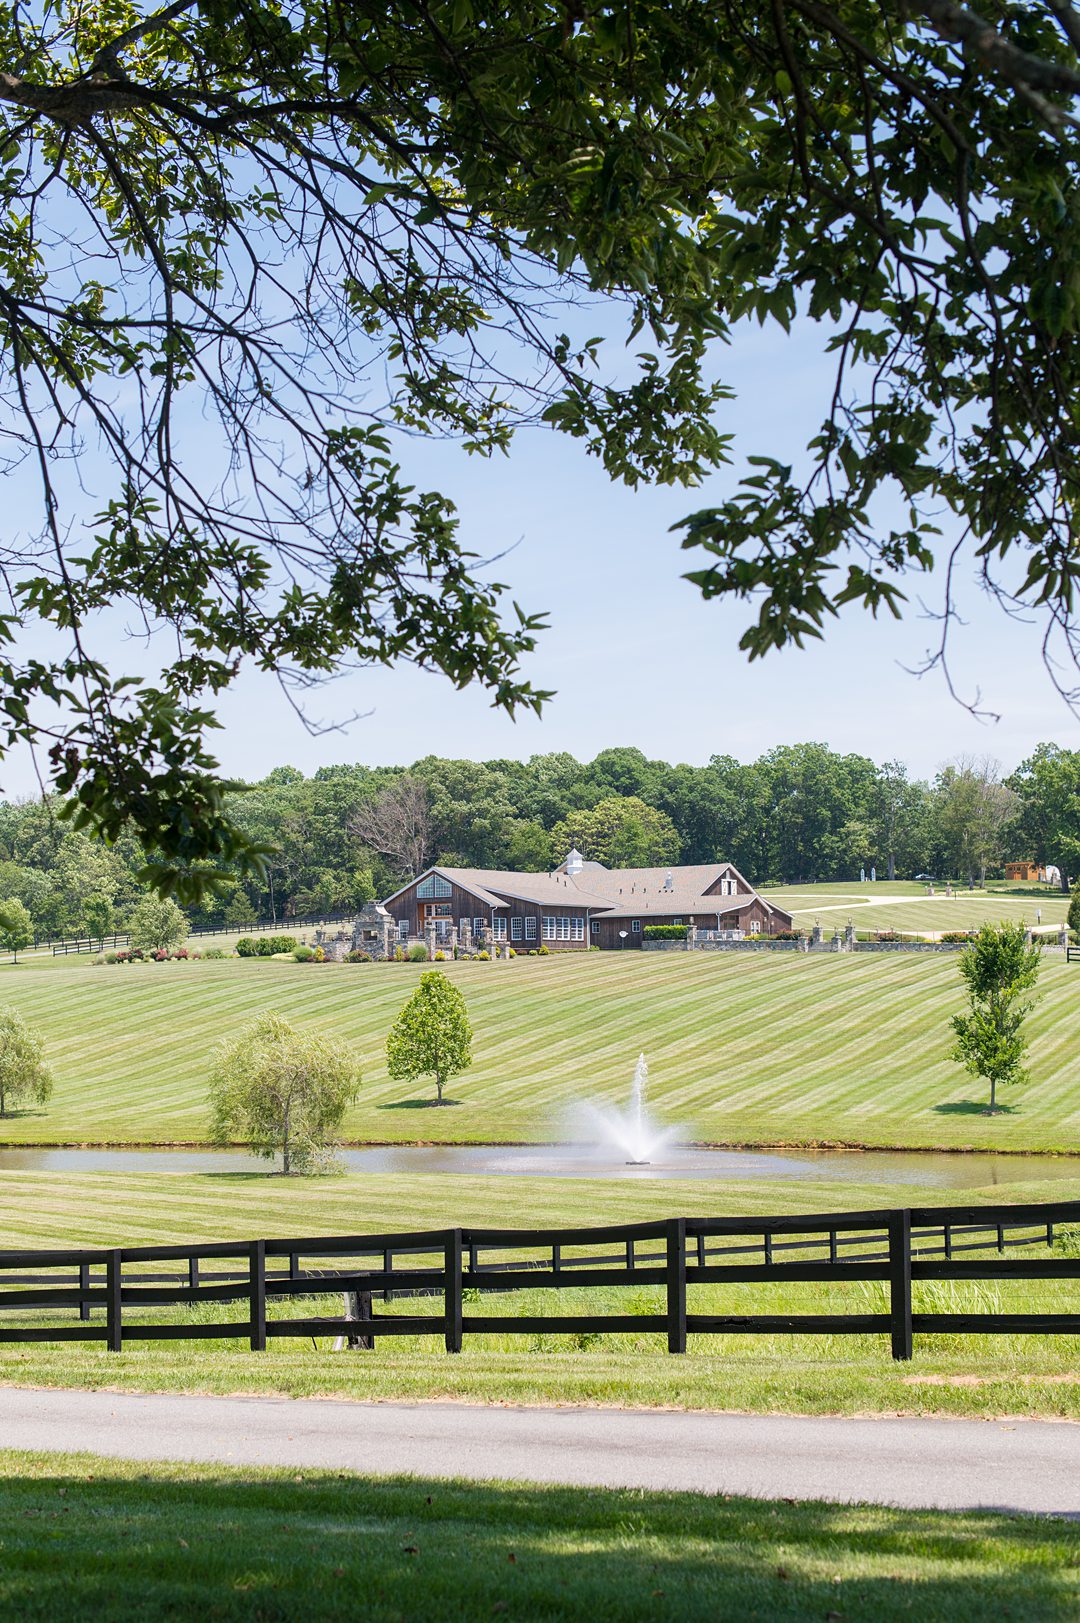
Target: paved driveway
(1026,1465)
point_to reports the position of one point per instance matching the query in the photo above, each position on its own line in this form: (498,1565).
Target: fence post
(257,1294)
(84,1285)
(452,1287)
(114,1333)
(900,1283)
(676,1285)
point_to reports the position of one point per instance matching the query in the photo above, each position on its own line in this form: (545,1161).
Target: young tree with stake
(24,1076)
(283,1092)
(999,966)
(432,1036)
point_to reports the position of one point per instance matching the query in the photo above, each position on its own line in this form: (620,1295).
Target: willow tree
(248,249)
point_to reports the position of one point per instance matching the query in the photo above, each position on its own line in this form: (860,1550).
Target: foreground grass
(777,1049)
(1034,1375)
(86,1537)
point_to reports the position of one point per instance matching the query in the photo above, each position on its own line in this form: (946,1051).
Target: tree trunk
(993,1094)
(892,867)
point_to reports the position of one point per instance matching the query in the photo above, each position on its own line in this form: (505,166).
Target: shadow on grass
(90,1538)
(973,1107)
(418,1104)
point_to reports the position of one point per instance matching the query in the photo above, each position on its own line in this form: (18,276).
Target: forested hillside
(798,813)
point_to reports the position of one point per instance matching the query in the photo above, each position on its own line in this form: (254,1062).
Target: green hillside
(905,906)
(747,1049)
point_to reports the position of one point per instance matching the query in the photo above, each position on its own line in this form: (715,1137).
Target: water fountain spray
(637,1111)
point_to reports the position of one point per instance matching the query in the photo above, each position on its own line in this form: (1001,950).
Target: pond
(934,1168)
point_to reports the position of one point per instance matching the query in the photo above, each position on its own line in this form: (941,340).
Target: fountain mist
(631,1131)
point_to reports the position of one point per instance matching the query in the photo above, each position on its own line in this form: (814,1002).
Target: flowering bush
(357,957)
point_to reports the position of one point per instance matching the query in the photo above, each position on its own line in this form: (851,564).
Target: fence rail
(122,939)
(894,1247)
(1072,955)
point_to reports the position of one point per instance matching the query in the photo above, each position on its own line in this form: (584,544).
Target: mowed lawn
(904,906)
(87,1537)
(742,1049)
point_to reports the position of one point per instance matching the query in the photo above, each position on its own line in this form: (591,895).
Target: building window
(498,927)
(515,928)
(434,885)
(403,929)
(564,927)
(635,926)
(530,928)
(595,926)
(477,925)
(676,921)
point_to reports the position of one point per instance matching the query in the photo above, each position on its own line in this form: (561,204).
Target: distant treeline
(799,813)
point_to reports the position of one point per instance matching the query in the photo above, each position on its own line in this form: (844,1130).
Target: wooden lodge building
(581,905)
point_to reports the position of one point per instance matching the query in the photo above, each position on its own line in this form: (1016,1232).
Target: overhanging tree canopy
(318,226)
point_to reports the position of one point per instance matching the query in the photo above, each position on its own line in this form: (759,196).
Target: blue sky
(635,656)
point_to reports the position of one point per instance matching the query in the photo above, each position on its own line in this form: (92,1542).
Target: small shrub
(303,955)
(399,954)
(99,959)
(956,935)
(181,953)
(417,954)
(215,952)
(320,956)
(543,952)
(664,932)
(786,935)
(112,957)
(532,952)
(513,954)
(357,957)
(484,957)
(265,946)
(440,957)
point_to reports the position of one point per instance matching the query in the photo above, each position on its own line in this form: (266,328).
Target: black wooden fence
(461,1266)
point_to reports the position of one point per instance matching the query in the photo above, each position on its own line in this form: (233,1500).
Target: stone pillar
(691,937)
(836,943)
(818,934)
(429,937)
(466,942)
(849,937)
(1063,935)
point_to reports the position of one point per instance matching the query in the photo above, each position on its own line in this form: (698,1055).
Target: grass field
(1032,1375)
(88,1537)
(903,905)
(742,1049)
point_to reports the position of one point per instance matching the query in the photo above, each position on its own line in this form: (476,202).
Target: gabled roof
(493,885)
